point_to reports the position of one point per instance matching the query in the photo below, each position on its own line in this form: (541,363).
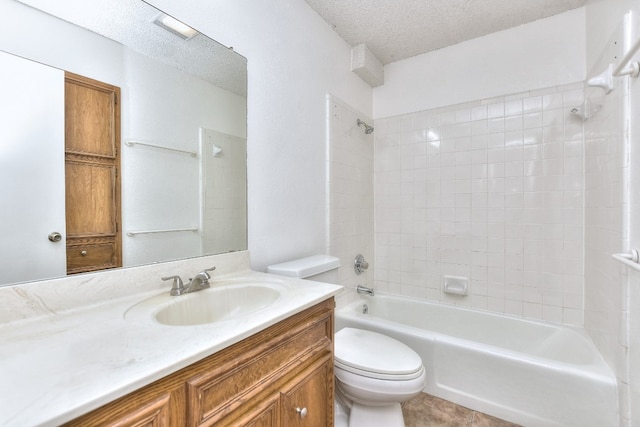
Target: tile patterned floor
(429,411)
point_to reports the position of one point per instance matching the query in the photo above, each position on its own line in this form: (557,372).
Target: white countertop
(56,367)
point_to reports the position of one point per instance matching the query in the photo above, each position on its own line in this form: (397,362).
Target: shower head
(367,129)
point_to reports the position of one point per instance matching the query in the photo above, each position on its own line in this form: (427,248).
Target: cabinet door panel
(308,399)
(91,194)
(91,125)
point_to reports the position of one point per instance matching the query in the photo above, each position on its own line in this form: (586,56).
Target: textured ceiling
(399,29)
(129,23)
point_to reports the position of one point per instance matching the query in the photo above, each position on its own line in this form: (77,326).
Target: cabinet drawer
(142,411)
(214,395)
(265,415)
(90,257)
(155,414)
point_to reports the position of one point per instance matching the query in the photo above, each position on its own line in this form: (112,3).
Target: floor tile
(429,411)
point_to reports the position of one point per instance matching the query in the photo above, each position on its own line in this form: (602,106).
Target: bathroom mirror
(183,132)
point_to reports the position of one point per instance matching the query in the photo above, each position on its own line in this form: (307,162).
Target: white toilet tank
(321,268)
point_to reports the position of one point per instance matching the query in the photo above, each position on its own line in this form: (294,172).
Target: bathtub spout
(364,290)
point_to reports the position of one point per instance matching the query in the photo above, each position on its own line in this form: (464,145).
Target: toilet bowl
(374,375)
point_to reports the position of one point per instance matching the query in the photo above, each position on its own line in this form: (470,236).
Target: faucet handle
(178,287)
(359,264)
(208,269)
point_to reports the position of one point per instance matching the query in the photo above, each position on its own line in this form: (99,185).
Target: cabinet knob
(83,253)
(302,412)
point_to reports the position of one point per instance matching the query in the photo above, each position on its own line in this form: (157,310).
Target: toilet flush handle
(302,412)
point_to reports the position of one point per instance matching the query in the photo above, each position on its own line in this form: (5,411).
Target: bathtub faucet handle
(359,264)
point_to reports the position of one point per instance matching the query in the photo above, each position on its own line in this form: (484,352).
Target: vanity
(104,355)
(113,347)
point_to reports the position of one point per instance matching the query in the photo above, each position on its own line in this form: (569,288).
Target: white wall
(606,166)
(602,18)
(612,300)
(540,54)
(161,188)
(294,60)
(632,303)
(22,32)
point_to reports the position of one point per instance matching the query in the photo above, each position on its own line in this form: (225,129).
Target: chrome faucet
(199,282)
(364,290)
(178,286)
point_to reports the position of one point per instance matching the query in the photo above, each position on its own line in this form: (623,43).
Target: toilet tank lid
(305,267)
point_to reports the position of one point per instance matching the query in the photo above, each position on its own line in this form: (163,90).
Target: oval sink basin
(216,304)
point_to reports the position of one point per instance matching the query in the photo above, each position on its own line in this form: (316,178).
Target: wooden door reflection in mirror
(92,163)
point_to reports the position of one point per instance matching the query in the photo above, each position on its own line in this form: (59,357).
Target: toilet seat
(376,356)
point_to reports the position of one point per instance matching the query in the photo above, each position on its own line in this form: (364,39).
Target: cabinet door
(308,399)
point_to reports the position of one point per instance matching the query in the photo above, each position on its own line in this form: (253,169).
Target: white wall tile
(500,198)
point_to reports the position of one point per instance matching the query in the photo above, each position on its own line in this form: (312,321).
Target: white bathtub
(527,372)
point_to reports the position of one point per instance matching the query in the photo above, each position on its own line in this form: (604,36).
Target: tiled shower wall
(492,191)
(224,192)
(350,194)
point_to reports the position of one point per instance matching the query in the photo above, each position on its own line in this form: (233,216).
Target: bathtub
(527,372)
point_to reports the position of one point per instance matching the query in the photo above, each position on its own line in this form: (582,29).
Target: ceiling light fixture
(171,24)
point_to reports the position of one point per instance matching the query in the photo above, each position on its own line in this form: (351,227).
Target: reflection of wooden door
(92,163)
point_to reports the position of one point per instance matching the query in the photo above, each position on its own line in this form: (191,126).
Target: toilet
(374,373)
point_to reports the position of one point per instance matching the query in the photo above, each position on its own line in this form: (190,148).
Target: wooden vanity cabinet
(279,377)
